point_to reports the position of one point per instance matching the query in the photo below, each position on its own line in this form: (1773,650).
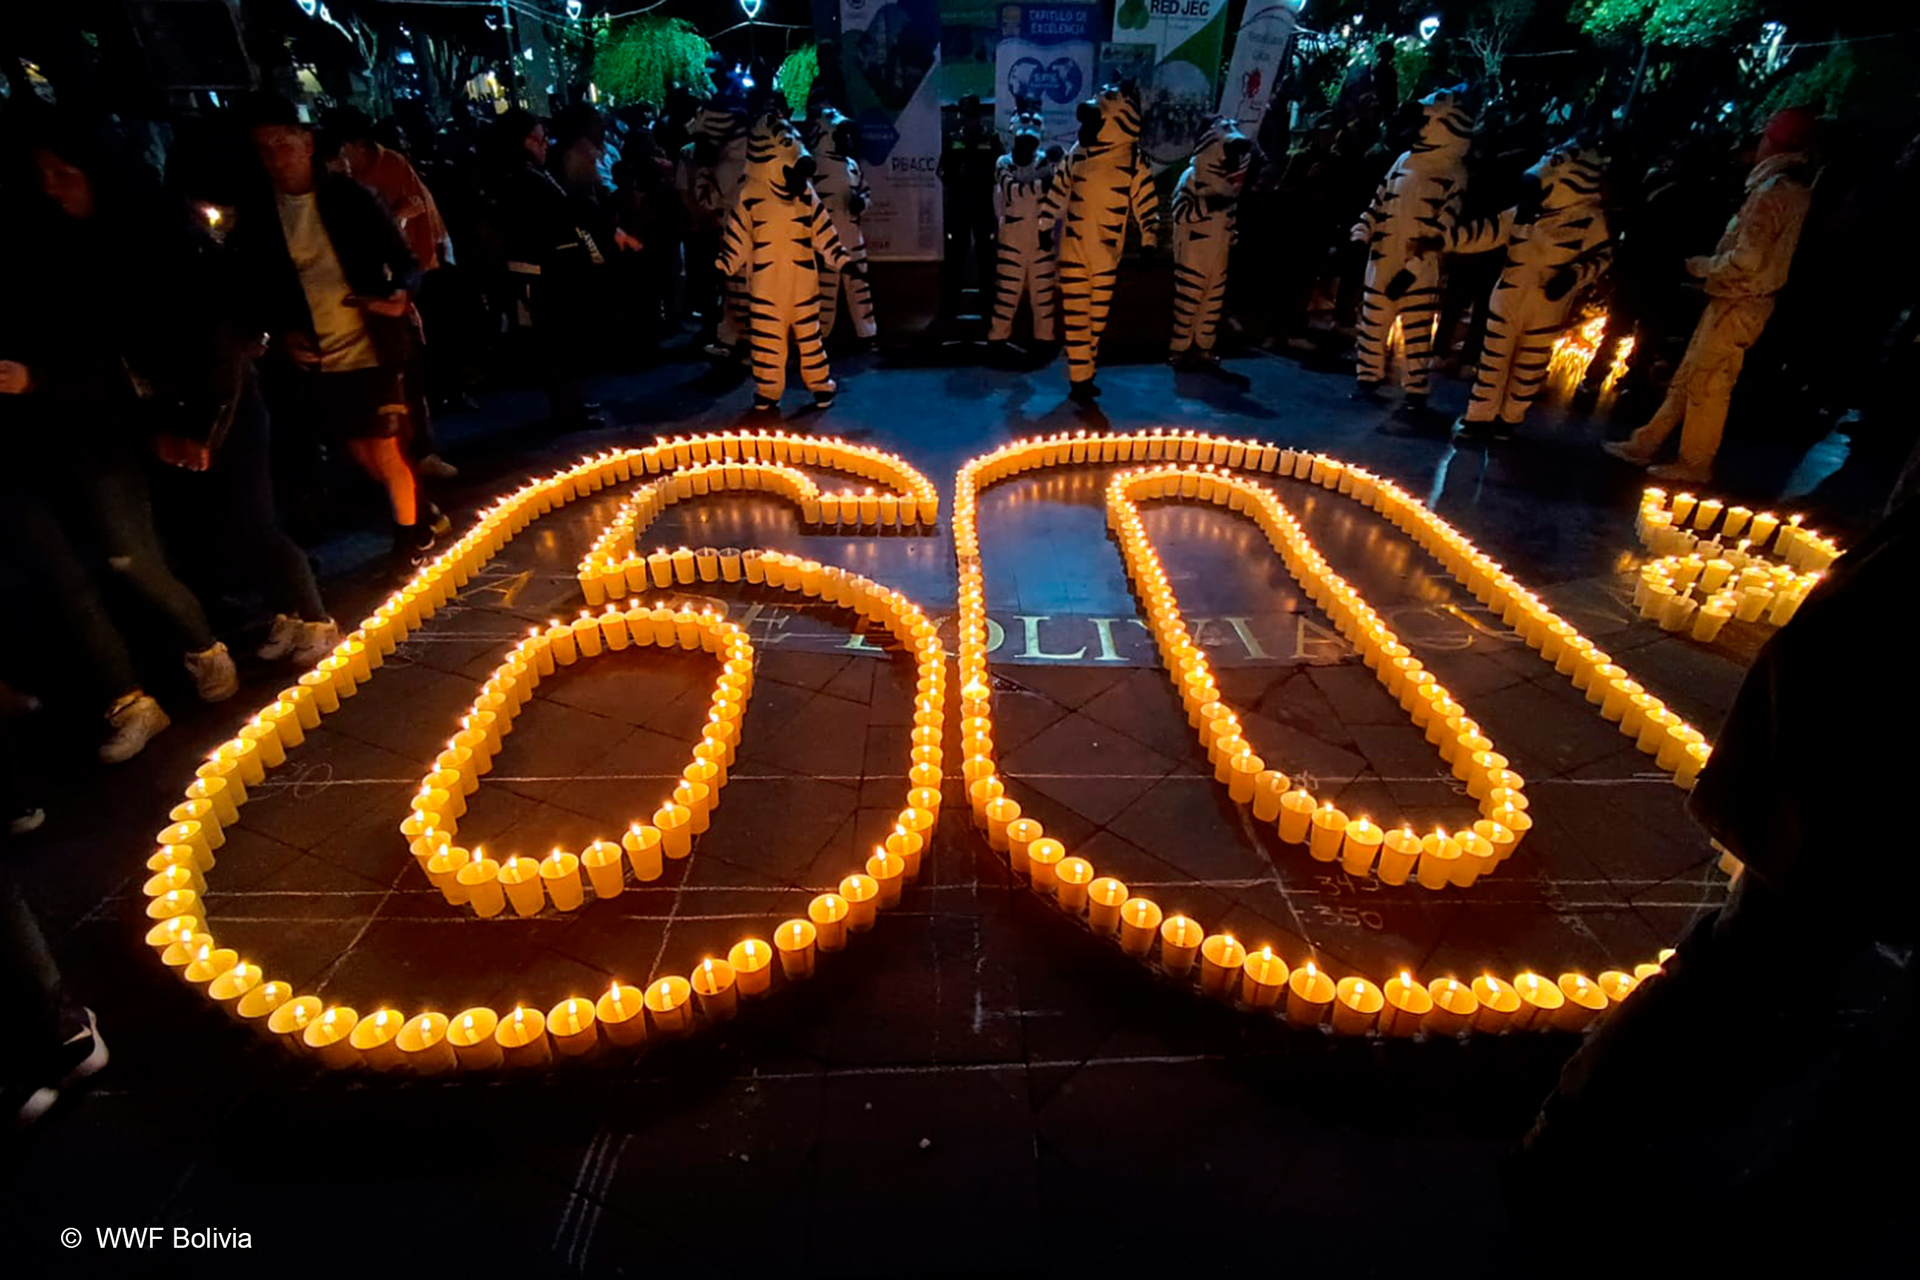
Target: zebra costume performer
(1102,182)
(1556,245)
(776,234)
(838,182)
(1025,268)
(1420,197)
(712,167)
(1205,227)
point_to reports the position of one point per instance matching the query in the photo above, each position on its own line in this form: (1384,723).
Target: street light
(1429,27)
(573,10)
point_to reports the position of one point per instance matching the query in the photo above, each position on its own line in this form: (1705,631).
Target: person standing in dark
(1764,1076)
(553,252)
(967,158)
(328,278)
(98,357)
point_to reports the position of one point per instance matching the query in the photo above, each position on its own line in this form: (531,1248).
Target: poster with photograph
(1180,91)
(1259,52)
(891,57)
(1045,55)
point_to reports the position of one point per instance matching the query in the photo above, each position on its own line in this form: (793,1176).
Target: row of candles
(1732,582)
(1223,966)
(430,1041)
(1435,860)
(611,570)
(469,877)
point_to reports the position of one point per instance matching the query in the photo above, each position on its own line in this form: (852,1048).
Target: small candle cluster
(1437,860)
(431,1042)
(1731,581)
(1179,946)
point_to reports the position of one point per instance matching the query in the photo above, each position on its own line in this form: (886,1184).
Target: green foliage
(646,56)
(798,70)
(1869,84)
(1411,58)
(1673,23)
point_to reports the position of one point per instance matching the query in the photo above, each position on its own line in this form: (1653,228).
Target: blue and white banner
(1045,54)
(890,53)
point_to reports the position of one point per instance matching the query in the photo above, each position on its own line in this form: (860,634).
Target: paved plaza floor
(979,1086)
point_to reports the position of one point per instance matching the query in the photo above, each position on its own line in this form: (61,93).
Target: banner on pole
(890,53)
(1259,51)
(1045,54)
(1182,40)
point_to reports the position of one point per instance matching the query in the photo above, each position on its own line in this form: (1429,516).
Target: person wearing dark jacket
(328,276)
(1765,1076)
(97,356)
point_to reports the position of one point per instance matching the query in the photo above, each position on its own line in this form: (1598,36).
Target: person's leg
(1189,288)
(769,327)
(1716,369)
(1213,293)
(115,502)
(1076,305)
(1418,309)
(1043,297)
(41,545)
(859,296)
(382,458)
(815,374)
(828,306)
(1646,442)
(1010,282)
(1373,329)
(242,476)
(30,995)
(1531,363)
(1099,307)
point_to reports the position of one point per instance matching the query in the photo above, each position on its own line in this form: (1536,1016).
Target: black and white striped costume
(775,238)
(1552,254)
(838,182)
(712,168)
(1205,226)
(1025,267)
(1419,198)
(1102,183)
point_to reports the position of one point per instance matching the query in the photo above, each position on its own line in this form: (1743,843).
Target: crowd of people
(298,290)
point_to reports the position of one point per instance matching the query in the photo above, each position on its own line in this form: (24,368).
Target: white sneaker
(281,639)
(214,678)
(134,720)
(317,640)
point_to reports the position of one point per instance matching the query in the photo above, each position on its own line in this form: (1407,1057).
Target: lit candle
(480,879)
(1180,939)
(235,981)
(520,877)
(719,993)
(862,896)
(752,964)
(209,962)
(621,1013)
(889,873)
(329,1037)
(1476,858)
(1297,809)
(1071,879)
(1139,923)
(1356,1007)
(1263,978)
(258,1005)
(1399,852)
(1454,1006)
(291,1017)
(1617,985)
(1221,958)
(522,1037)
(1360,846)
(1539,1001)
(560,875)
(605,872)
(1407,1005)
(1000,811)
(423,1045)
(571,1023)
(643,846)
(1105,898)
(1310,996)
(1499,1002)
(376,1038)
(1043,860)
(1439,856)
(675,825)
(1585,1001)
(794,940)
(1329,831)
(829,913)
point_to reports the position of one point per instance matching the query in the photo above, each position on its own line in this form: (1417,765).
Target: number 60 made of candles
(1168,466)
